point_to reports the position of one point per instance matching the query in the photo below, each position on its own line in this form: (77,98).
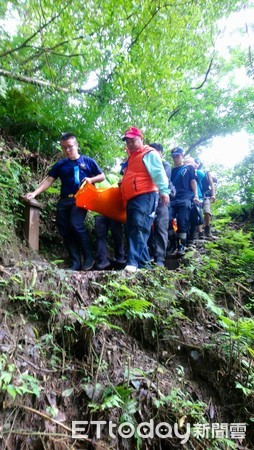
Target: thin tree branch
(41,50)
(159,8)
(46,84)
(15,49)
(42,39)
(249,49)
(201,140)
(176,110)
(144,27)
(206,76)
(47,417)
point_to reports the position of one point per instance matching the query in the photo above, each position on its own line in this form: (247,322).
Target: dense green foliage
(97,67)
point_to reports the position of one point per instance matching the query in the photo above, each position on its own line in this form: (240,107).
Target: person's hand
(196,199)
(29,196)
(164,199)
(88,180)
(213,198)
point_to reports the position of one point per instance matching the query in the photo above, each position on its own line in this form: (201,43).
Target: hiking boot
(104,266)
(208,231)
(201,235)
(88,263)
(118,264)
(159,263)
(171,250)
(75,267)
(120,261)
(181,250)
(73,252)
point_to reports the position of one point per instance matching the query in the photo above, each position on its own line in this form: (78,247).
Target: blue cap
(177,151)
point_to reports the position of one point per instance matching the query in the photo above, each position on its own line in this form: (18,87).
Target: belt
(68,196)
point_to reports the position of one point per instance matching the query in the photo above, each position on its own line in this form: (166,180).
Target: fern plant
(105,307)
(236,338)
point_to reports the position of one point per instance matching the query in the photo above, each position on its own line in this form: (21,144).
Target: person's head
(157,147)
(177,155)
(133,138)
(189,160)
(199,163)
(69,144)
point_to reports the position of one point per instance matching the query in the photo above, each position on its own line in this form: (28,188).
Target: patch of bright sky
(232,149)
(233,32)
(236,31)
(228,150)
(10,23)
(92,81)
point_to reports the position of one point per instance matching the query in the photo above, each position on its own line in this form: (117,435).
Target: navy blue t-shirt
(72,173)
(182,182)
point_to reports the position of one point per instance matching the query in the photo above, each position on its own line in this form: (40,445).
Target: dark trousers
(180,209)
(102,226)
(158,239)
(70,223)
(140,216)
(69,218)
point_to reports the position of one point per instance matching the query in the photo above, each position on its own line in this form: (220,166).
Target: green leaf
(12,390)
(67,392)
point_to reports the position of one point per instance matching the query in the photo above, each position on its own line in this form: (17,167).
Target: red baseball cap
(131,133)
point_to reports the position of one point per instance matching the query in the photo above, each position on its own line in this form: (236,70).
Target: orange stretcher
(105,201)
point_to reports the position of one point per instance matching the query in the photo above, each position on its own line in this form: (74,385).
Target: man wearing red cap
(144,181)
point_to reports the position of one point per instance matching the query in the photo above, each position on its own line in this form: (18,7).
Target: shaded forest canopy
(154,65)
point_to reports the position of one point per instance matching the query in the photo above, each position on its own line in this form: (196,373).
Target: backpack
(206,188)
(205,185)
(196,215)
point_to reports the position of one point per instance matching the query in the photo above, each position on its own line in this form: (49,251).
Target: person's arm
(157,172)
(211,183)
(43,186)
(194,188)
(96,179)
(167,168)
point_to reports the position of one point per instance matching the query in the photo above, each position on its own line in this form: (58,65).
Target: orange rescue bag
(105,201)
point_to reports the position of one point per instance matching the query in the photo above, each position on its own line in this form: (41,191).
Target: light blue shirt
(153,163)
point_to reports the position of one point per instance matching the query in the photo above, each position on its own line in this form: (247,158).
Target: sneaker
(89,263)
(201,235)
(130,268)
(181,250)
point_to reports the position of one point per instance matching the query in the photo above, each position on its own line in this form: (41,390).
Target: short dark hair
(66,136)
(157,146)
